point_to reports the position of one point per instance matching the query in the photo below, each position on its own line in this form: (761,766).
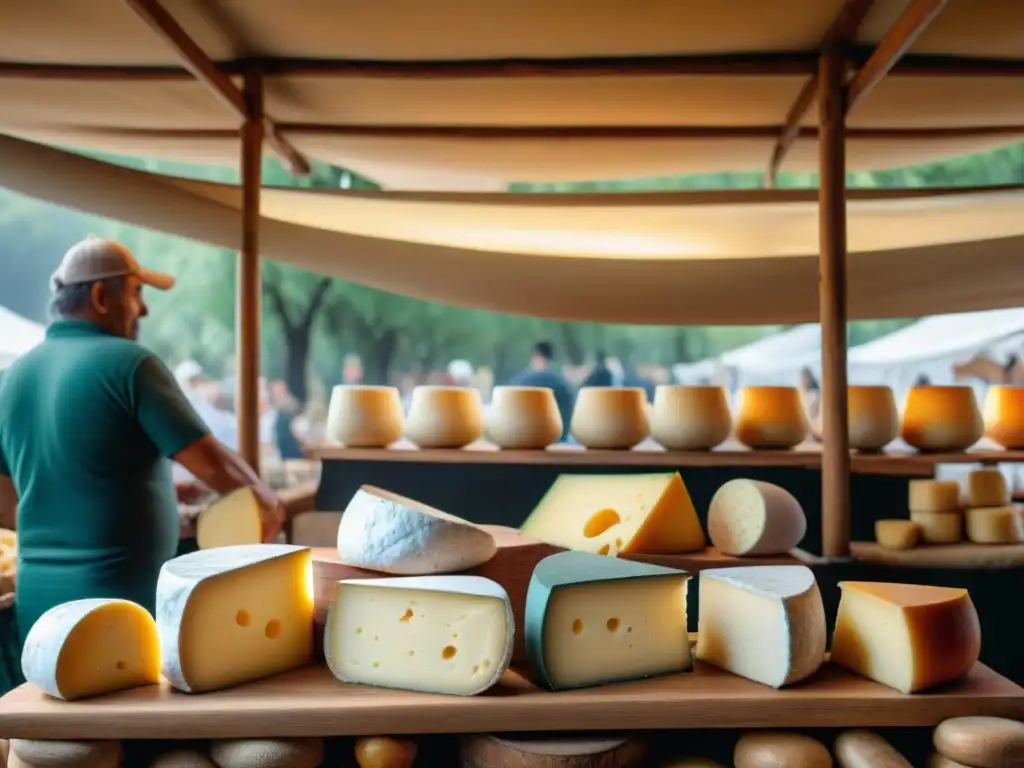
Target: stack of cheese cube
(990,518)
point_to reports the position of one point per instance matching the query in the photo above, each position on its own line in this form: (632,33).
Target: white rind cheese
(385,532)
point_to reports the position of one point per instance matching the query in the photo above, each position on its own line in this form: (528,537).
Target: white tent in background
(17,336)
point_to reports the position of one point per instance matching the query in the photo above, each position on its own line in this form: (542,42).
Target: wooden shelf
(966,555)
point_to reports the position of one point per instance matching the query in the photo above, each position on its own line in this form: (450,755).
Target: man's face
(121,310)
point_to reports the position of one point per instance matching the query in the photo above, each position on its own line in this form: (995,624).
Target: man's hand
(272,512)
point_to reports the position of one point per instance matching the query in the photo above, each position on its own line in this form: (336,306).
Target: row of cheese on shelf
(943,513)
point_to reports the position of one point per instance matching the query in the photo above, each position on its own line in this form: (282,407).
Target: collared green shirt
(88,422)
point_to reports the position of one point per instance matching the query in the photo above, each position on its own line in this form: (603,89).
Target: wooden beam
(896,42)
(203,69)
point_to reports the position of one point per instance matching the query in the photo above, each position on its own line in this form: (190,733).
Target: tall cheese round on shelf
(523,418)
(234,614)
(444,417)
(1004,415)
(31,753)
(765,623)
(771,418)
(90,647)
(365,416)
(941,418)
(752,517)
(610,417)
(864,749)
(981,742)
(987,488)
(995,525)
(873,419)
(385,532)
(268,753)
(687,418)
(231,520)
(776,749)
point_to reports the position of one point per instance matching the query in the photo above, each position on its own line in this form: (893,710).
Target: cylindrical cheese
(939,527)
(863,749)
(1004,415)
(941,418)
(365,416)
(981,742)
(555,751)
(995,525)
(444,417)
(183,758)
(774,749)
(610,417)
(690,418)
(268,753)
(934,496)
(65,754)
(752,517)
(897,534)
(771,418)
(987,488)
(873,420)
(523,417)
(385,752)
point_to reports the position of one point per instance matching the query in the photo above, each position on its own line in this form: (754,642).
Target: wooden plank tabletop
(310,702)
(964,555)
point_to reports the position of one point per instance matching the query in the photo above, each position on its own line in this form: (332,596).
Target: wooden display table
(964,555)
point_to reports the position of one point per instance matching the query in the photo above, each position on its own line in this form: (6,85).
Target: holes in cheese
(768,749)
(987,488)
(631,617)
(383,531)
(751,517)
(89,647)
(939,527)
(765,623)
(31,753)
(229,521)
(864,749)
(897,534)
(995,525)
(934,496)
(459,640)
(268,753)
(941,418)
(201,597)
(444,417)
(906,636)
(984,742)
(610,417)
(654,511)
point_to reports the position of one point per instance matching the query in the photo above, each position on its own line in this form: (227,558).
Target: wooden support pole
(247,316)
(835,459)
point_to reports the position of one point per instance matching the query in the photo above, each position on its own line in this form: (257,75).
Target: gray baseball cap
(96,259)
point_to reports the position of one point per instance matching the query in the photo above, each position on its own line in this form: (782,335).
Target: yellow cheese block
(229,521)
(987,488)
(934,496)
(609,514)
(897,534)
(906,636)
(939,527)
(995,525)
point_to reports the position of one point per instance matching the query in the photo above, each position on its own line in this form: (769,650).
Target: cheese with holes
(934,496)
(93,646)
(864,749)
(437,634)
(229,521)
(897,534)
(610,417)
(234,614)
(382,531)
(444,417)
(268,753)
(906,636)
(939,527)
(609,514)
(987,488)
(765,623)
(995,525)
(32,753)
(751,517)
(773,749)
(592,620)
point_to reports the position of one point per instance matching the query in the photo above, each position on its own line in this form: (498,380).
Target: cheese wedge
(609,514)
(987,488)
(995,525)
(383,531)
(897,534)
(906,636)
(89,647)
(751,517)
(234,614)
(230,521)
(592,620)
(765,623)
(438,634)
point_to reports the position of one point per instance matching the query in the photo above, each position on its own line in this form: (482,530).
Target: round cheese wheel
(752,517)
(557,751)
(863,749)
(772,749)
(444,417)
(897,534)
(981,742)
(987,488)
(995,525)
(365,416)
(610,417)
(1004,415)
(939,527)
(873,421)
(523,417)
(385,752)
(182,758)
(66,754)
(941,418)
(690,418)
(771,418)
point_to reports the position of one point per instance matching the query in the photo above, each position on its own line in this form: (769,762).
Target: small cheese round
(873,421)
(610,417)
(987,488)
(1004,415)
(362,416)
(67,754)
(941,418)
(773,749)
(752,517)
(995,525)
(268,753)
(939,527)
(897,534)
(444,417)
(544,751)
(771,418)
(690,418)
(981,742)
(523,418)
(385,752)
(863,749)
(934,496)
(182,758)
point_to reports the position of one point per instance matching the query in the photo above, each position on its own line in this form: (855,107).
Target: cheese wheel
(182,758)
(65,754)
(752,517)
(897,534)
(232,520)
(385,752)
(863,749)
(934,495)
(773,749)
(939,527)
(383,531)
(444,417)
(556,751)
(873,421)
(771,418)
(981,742)
(610,417)
(523,418)
(1004,415)
(941,418)
(940,761)
(995,525)
(987,488)
(690,418)
(365,416)
(268,753)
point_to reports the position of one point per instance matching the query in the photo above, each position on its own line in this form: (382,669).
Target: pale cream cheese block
(774,749)
(182,758)
(987,488)
(234,614)
(765,623)
(268,753)
(31,753)
(995,525)
(382,531)
(90,647)
(752,517)
(436,634)
(231,520)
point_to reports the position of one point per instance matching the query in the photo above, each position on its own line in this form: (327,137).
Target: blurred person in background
(601,374)
(810,395)
(286,409)
(461,373)
(539,374)
(193,382)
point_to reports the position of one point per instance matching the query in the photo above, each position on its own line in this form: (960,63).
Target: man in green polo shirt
(89,423)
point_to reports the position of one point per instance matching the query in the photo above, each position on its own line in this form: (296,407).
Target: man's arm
(8,502)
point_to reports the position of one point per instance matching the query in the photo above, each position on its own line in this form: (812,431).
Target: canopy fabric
(17,335)
(430,102)
(537,254)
